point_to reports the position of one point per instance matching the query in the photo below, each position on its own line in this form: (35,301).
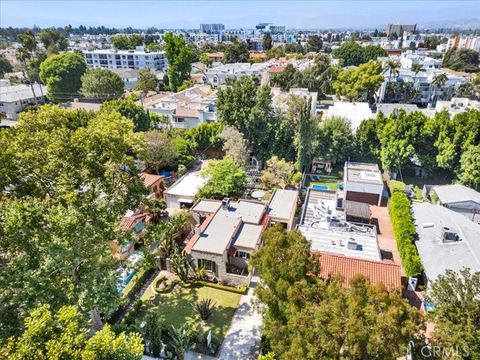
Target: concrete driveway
(242,341)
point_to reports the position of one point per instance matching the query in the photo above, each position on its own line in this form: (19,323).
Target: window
(180,120)
(208,265)
(243,255)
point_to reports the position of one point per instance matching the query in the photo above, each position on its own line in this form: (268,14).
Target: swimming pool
(320,187)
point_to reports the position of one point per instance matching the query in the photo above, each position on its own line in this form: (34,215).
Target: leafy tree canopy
(102,84)
(62,74)
(225,179)
(64,335)
(132,111)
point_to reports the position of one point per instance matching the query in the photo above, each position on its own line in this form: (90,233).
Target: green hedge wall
(404,230)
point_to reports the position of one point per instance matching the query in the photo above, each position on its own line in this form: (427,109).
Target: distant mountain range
(465,24)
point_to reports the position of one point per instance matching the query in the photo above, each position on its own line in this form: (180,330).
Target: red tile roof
(276,69)
(127,222)
(149,179)
(388,273)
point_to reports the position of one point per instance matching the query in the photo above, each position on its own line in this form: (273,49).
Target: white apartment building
(422,81)
(125,59)
(185,109)
(15,98)
(457,105)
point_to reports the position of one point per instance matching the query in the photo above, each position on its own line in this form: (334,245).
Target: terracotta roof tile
(149,179)
(388,273)
(276,69)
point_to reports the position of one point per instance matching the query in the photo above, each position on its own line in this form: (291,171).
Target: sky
(320,14)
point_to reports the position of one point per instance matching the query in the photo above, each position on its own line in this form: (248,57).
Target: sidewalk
(242,341)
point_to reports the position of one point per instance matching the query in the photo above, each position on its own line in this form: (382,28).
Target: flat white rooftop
(21,92)
(326,229)
(188,185)
(363,173)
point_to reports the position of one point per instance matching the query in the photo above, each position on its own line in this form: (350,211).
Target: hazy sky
(189,14)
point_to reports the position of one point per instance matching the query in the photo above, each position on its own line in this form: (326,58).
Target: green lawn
(176,308)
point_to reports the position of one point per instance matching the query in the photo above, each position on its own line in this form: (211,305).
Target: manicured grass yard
(176,308)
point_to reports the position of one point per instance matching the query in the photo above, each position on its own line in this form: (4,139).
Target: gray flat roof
(208,206)
(226,225)
(437,256)
(283,204)
(247,236)
(363,173)
(448,194)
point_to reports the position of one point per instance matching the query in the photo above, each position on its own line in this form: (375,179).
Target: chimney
(197,230)
(225,203)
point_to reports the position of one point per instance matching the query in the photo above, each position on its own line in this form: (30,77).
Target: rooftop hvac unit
(449,235)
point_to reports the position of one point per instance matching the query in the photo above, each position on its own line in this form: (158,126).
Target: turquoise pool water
(320,187)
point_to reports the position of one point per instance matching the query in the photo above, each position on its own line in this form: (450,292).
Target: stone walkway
(242,341)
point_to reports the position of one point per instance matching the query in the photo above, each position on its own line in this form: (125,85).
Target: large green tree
(236,52)
(225,179)
(64,335)
(67,188)
(160,150)
(461,60)
(128,108)
(335,139)
(351,53)
(247,106)
(359,83)
(126,42)
(306,139)
(456,315)
(102,84)
(179,57)
(470,167)
(308,318)
(62,74)
(53,41)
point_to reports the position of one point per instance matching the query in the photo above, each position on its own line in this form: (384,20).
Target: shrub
(200,273)
(242,290)
(404,231)
(396,185)
(139,279)
(205,308)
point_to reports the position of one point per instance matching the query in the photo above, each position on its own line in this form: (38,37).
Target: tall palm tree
(438,82)
(416,68)
(392,67)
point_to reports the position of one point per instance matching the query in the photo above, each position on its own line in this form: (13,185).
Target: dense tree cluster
(306,317)
(439,144)
(126,42)
(319,77)
(351,53)
(461,60)
(64,335)
(236,52)
(69,176)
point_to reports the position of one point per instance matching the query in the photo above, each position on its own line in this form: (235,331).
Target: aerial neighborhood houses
(342,207)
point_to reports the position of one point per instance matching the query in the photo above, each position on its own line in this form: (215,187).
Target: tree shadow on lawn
(178,308)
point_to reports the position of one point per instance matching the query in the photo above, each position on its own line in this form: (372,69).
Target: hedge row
(138,279)
(404,230)
(241,290)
